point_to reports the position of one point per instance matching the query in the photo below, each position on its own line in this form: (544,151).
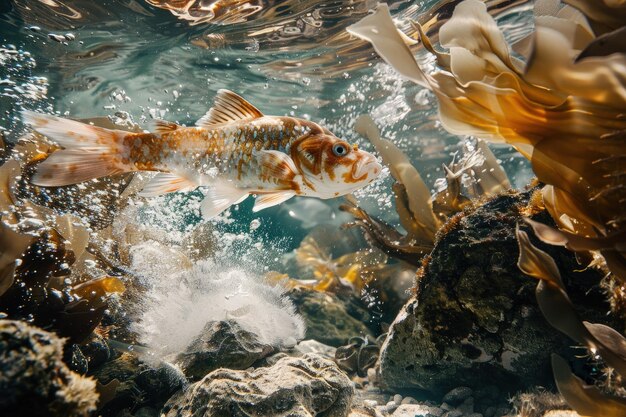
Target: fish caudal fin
(90,151)
(219,197)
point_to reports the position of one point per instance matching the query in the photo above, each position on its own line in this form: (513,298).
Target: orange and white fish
(234,150)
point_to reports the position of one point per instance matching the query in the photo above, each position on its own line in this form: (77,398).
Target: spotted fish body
(234,151)
(229,153)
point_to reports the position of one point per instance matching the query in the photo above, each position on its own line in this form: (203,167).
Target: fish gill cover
(408,287)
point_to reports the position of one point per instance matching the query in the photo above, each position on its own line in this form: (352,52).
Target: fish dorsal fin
(163,126)
(228,107)
(166,182)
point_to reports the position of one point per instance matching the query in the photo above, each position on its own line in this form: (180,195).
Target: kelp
(599,339)
(49,276)
(350,272)
(475,176)
(562,111)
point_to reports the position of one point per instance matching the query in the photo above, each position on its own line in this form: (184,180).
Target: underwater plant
(602,341)
(562,108)
(49,275)
(477,175)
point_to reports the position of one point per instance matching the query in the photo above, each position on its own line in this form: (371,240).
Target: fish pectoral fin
(264,201)
(219,197)
(166,182)
(228,107)
(277,164)
(163,126)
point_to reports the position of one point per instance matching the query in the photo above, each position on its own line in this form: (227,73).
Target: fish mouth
(366,166)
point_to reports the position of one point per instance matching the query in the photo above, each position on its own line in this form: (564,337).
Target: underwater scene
(215,208)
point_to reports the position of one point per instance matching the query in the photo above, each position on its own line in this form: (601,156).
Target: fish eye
(340,149)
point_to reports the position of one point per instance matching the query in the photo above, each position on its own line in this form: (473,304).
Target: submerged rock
(222,344)
(305,386)
(34,380)
(134,384)
(475,320)
(329,319)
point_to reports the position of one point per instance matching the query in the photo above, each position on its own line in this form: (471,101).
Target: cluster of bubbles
(19,87)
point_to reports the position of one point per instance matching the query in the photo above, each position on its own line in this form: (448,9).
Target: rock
(137,383)
(446,407)
(397,399)
(304,386)
(96,350)
(34,381)
(457,395)
(328,318)
(146,412)
(314,346)
(467,406)
(222,344)
(561,413)
(453,413)
(372,375)
(475,317)
(409,400)
(417,410)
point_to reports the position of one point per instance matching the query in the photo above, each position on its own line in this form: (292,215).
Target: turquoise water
(131,61)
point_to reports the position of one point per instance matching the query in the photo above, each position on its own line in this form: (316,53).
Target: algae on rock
(475,318)
(34,380)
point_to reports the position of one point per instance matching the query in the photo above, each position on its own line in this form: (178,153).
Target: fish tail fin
(89,151)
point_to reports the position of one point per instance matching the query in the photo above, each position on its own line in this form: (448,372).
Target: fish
(234,151)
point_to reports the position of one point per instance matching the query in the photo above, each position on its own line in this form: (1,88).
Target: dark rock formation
(222,344)
(292,387)
(134,384)
(34,381)
(328,318)
(475,320)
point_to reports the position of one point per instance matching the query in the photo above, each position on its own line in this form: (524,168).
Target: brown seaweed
(565,115)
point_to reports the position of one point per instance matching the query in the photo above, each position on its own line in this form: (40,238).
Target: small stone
(390,407)
(502,411)
(453,413)
(477,415)
(146,412)
(409,400)
(490,412)
(417,410)
(313,346)
(457,395)
(397,399)
(467,407)
(370,403)
(371,375)
(446,407)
